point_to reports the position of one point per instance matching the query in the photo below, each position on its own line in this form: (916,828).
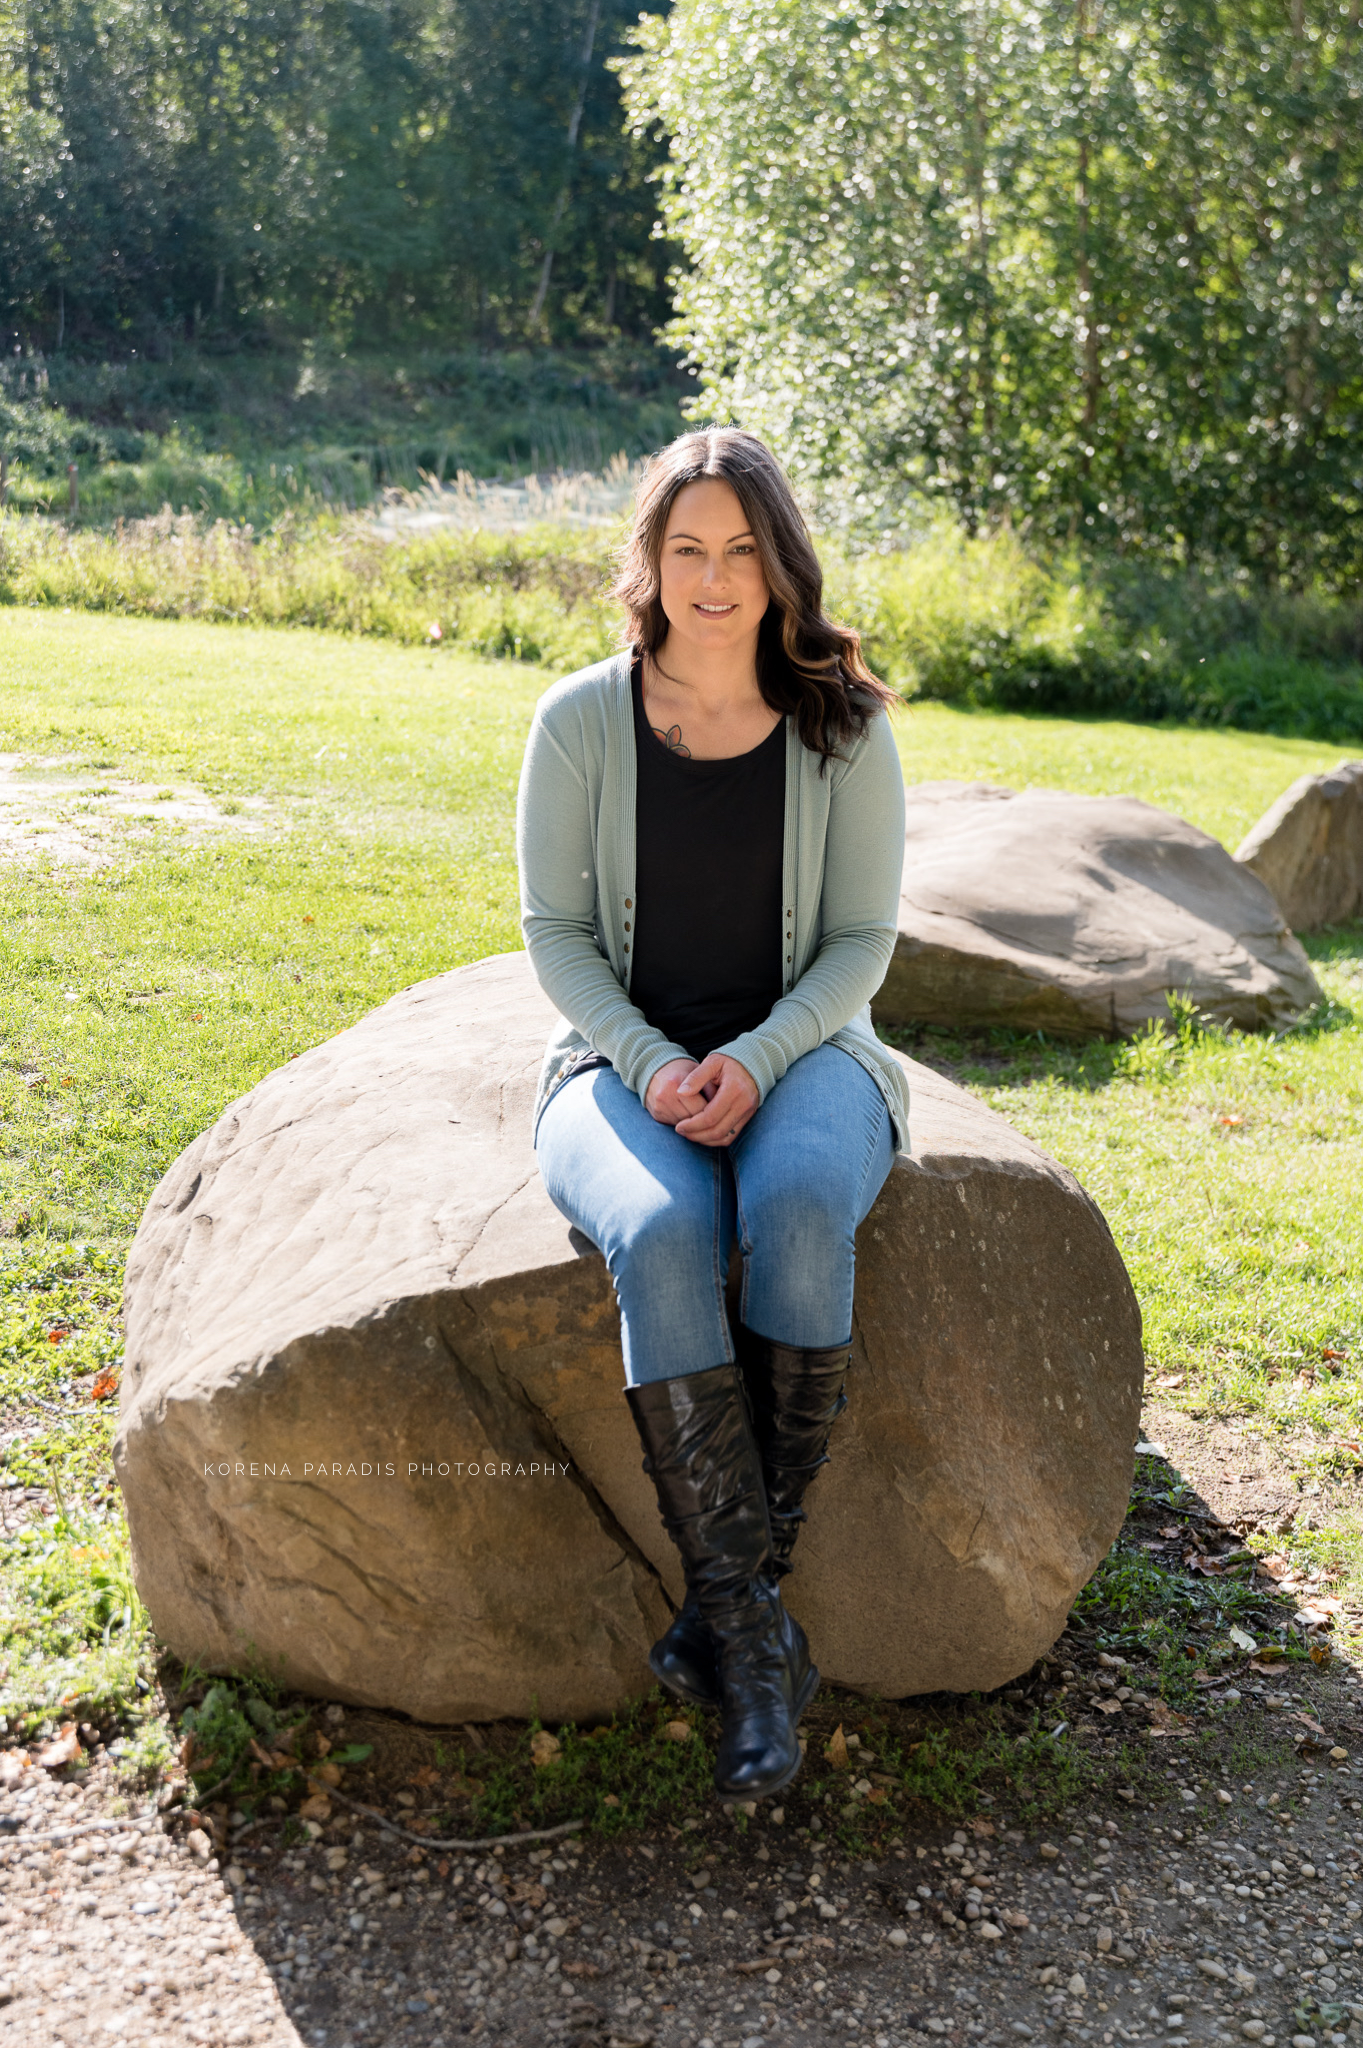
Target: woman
(710,834)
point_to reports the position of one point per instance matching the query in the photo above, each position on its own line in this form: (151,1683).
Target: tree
(1094,263)
(379,166)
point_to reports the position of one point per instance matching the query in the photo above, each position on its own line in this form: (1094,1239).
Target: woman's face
(713,591)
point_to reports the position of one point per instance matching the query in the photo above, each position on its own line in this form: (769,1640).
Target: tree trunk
(575,122)
(1088,312)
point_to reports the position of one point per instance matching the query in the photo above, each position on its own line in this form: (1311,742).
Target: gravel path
(1227,1912)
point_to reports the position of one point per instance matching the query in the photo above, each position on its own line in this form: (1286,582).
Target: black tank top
(709,844)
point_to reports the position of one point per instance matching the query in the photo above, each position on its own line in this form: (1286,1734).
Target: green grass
(138,999)
(262,434)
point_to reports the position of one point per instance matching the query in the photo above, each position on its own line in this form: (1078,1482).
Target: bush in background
(980,621)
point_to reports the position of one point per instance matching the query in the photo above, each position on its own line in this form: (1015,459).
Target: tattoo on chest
(671,739)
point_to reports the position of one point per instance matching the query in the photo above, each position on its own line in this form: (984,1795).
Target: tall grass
(534,595)
(259,435)
(978,621)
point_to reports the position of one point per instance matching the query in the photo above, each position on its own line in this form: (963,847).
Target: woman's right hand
(661,1099)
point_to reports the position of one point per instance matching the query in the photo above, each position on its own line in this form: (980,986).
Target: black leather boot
(700,1453)
(794,1397)
(797,1396)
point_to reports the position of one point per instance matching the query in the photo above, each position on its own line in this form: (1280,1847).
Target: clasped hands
(708,1101)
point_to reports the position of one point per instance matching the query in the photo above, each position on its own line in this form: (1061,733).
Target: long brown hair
(806,665)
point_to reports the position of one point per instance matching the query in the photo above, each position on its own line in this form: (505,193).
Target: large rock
(1079,915)
(373,1432)
(1308,849)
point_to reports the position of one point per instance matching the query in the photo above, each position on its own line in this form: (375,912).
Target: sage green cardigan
(844,851)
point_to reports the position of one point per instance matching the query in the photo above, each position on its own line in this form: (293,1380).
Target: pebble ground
(1224,1911)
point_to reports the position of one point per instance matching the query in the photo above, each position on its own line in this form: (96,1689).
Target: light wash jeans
(793,1186)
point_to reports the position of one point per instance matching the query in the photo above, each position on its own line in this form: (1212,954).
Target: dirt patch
(55,810)
(1251,1482)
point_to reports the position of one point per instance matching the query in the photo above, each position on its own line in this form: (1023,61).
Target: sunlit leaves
(1094,265)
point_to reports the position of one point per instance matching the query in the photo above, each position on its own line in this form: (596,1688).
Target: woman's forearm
(580,982)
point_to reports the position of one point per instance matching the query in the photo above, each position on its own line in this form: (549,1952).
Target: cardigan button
(627,924)
(629,903)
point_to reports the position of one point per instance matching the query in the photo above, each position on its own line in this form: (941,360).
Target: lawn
(354,833)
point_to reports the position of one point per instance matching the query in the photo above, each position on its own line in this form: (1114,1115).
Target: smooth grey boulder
(1079,915)
(1308,849)
(373,1433)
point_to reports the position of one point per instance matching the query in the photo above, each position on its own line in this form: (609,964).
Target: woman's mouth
(716,611)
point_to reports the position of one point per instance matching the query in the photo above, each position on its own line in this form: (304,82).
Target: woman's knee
(664,1236)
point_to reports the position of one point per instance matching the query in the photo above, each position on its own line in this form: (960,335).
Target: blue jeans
(792,1187)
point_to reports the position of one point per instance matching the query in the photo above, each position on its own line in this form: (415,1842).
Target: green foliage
(72,1628)
(975,621)
(617,1777)
(982,620)
(534,596)
(224,167)
(1098,268)
(254,438)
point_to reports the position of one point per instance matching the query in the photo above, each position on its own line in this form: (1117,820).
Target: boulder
(373,1435)
(1079,915)
(1308,849)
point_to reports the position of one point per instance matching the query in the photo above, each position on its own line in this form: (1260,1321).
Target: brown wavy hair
(807,666)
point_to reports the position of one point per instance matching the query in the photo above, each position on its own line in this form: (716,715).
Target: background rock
(358,1265)
(1076,914)
(1308,848)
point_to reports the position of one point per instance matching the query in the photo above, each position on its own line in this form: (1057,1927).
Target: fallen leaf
(544,1748)
(1274,1567)
(1268,1661)
(1321,1653)
(527,1893)
(427,1775)
(1242,1639)
(1109,1706)
(323,1744)
(328,1773)
(187,1750)
(1170,1379)
(63,1748)
(985,1829)
(1314,1726)
(836,1751)
(1230,1121)
(103,1386)
(610,1800)
(878,1797)
(1171,1532)
(677,1731)
(316,1808)
(1165,1717)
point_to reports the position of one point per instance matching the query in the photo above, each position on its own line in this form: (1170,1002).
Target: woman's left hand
(726,1098)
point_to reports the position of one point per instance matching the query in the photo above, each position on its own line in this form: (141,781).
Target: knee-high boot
(795,1396)
(700,1453)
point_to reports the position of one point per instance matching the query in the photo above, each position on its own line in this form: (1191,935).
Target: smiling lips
(716,611)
